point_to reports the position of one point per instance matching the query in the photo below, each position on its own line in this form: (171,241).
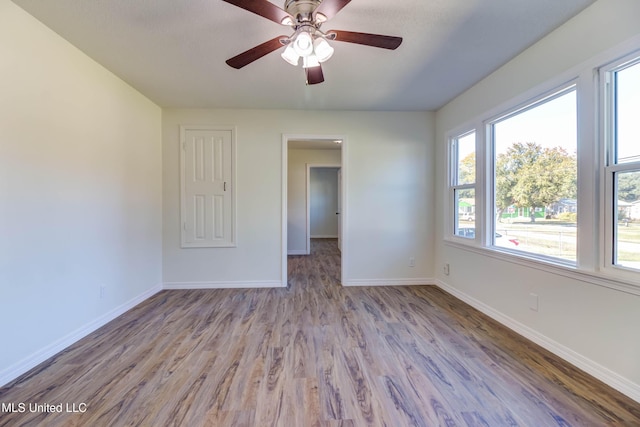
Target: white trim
(546,96)
(609,166)
(344,212)
(297,252)
(588,161)
(324,236)
(451,219)
(310,166)
(223,285)
(14,371)
(390,282)
(565,270)
(594,369)
(284,176)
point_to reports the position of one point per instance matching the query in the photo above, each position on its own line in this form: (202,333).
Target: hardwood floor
(315,354)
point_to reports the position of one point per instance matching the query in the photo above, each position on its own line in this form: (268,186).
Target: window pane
(466,208)
(536,179)
(627,108)
(627,235)
(466,158)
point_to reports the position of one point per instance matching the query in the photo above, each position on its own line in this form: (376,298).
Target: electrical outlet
(412,261)
(446,269)
(103,291)
(533,302)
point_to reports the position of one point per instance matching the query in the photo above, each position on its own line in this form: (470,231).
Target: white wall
(594,326)
(389,185)
(297,192)
(80,193)
(323,202)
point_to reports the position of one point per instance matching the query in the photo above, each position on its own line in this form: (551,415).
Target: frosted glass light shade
(310,61)
(290,55)
(322,49)
(303,44)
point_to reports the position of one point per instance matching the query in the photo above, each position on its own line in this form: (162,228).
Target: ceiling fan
(308,42)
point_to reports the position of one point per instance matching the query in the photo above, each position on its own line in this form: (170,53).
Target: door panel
(207,196)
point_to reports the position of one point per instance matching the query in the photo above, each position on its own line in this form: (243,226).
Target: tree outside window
(535,185)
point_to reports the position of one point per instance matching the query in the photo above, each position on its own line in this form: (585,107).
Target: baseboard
(594,369)
(297,252)
(30,362)
(322,236)
(389,282)
(223,285)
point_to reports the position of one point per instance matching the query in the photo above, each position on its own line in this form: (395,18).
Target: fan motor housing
(301,10)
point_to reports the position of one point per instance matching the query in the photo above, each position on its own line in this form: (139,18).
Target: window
(513,176)
(622,169)
(535,177)
(463,181)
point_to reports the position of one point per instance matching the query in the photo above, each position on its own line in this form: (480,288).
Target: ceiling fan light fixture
(310,61)
(303,44)
(287,20)
(320,18)
(305,17)
(322,49)
(290,55)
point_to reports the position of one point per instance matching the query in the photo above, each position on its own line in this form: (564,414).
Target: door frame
(308,193)
(343,202)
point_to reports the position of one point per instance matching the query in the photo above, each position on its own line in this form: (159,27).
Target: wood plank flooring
(315,354)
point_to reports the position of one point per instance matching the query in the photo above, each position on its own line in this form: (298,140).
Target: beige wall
(80,193)
(90,198)
(390,170)
(592,325)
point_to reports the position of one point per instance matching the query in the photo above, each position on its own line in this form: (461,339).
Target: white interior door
(207,201)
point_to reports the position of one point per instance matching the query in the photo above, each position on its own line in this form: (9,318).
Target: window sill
(568,270)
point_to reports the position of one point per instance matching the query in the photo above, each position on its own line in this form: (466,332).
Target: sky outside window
(628,113)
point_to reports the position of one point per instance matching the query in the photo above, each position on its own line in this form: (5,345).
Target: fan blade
(314,75)
(375,40)
(263,8)
(329,8)
(247,57)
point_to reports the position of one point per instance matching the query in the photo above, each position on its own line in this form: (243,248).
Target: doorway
(323,193)
(302,157)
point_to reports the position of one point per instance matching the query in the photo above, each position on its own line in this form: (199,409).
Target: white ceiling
(174,51)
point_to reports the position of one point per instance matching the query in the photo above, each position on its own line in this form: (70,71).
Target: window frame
(590,266)
(610,167)
(452,214)
(533,102)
